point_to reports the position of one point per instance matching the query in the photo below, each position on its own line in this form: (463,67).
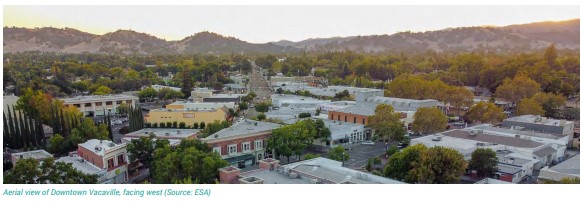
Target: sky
(261,24)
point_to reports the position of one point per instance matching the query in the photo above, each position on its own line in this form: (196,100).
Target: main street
(259,85)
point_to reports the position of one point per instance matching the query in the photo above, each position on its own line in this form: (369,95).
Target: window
(354,119)
(245,147)
(110,163)
(345,118)
(218,150)
(363,121)
(109,103)
(77,105)
(338,117)
(332,116)
(87,104)
(120,159)
(128,101)
(98,104)
(232,149)
(119,102)
(257,144)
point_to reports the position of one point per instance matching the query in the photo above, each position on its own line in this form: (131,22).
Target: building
(492,181)
(566,169)
(108,156)
(345,133)
(466,141)
(541,124)
(234,87)
(206,95)
(314,171)
(86,167)
(188,116)
(335,106)
(238,79)
(171,134)
(556,141)
(39,155)
(159,87)
(243,143)
(200,105)
(96,105)
(295,101)
(288,115)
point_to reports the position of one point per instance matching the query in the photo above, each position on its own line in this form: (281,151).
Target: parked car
(459,123)
(370,143)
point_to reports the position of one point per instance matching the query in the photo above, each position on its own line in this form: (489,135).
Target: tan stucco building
(187,116)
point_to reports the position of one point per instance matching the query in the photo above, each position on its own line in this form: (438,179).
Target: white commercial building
(466,141)
(295,101)
(344,133)
(159,87)
(541,124)
(566,169)
(97,105)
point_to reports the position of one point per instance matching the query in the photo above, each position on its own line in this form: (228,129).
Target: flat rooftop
(172,142)
(339,127)
(492,181)
(36,154)
(494,139)
(519,132)
(326,171)
(92,98)
(361,108)
(203,105)
(81,165)
(100,147)
(536,119)
(569,166)
(165,133)
(243,128)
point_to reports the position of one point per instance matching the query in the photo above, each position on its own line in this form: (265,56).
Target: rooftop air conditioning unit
(294,175)
(111,144)
(166,134)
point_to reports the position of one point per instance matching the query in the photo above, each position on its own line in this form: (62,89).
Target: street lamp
(343,159)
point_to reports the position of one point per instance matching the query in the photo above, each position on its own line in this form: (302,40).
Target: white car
(371,143)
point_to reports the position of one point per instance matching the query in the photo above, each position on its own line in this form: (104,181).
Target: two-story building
(243,143)
(98,105)
(106,155)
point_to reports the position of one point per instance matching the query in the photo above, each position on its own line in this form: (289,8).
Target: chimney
(268,164)
(229,175)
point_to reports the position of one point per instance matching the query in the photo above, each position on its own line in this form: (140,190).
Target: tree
(88,130)
(485,112)
(459,97)
(439,165)
(167,93)
(391,150)
(386,123)
(196,125)
(292,139)
(550,56)
(260,116)
(304,115)
(518,88)
(550,102)
(311,156)
(142,149)
(399,164)
(147,93)
(191,161)
(262,107)
(123,108)
(529,106)
(212,128)
(484,161)
(243,106)
(102,90)
(57,144)
(182,125)
(202,125)
(338,153)
(429,120)
(279,91)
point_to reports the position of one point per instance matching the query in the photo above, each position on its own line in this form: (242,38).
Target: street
(260,86)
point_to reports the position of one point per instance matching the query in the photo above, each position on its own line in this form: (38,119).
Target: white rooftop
(498,130)
(82,165)
(324,170)
(36,154)
(536,119)
(165,133)
(100,147)
(243,128)
(93,98)
(204,105)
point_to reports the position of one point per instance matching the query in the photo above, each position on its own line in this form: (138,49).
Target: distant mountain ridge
(524,37)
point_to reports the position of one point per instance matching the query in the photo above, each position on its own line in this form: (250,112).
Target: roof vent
(111,144)
(166,134)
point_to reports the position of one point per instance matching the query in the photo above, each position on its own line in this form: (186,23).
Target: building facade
(187,116)
(107,155)
(541,124)
(97,105)
(242,144)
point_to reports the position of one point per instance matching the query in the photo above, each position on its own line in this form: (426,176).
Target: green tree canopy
(429,120)
(484,161)
(386,123)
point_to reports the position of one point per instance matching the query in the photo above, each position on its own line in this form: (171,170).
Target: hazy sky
(261,24)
